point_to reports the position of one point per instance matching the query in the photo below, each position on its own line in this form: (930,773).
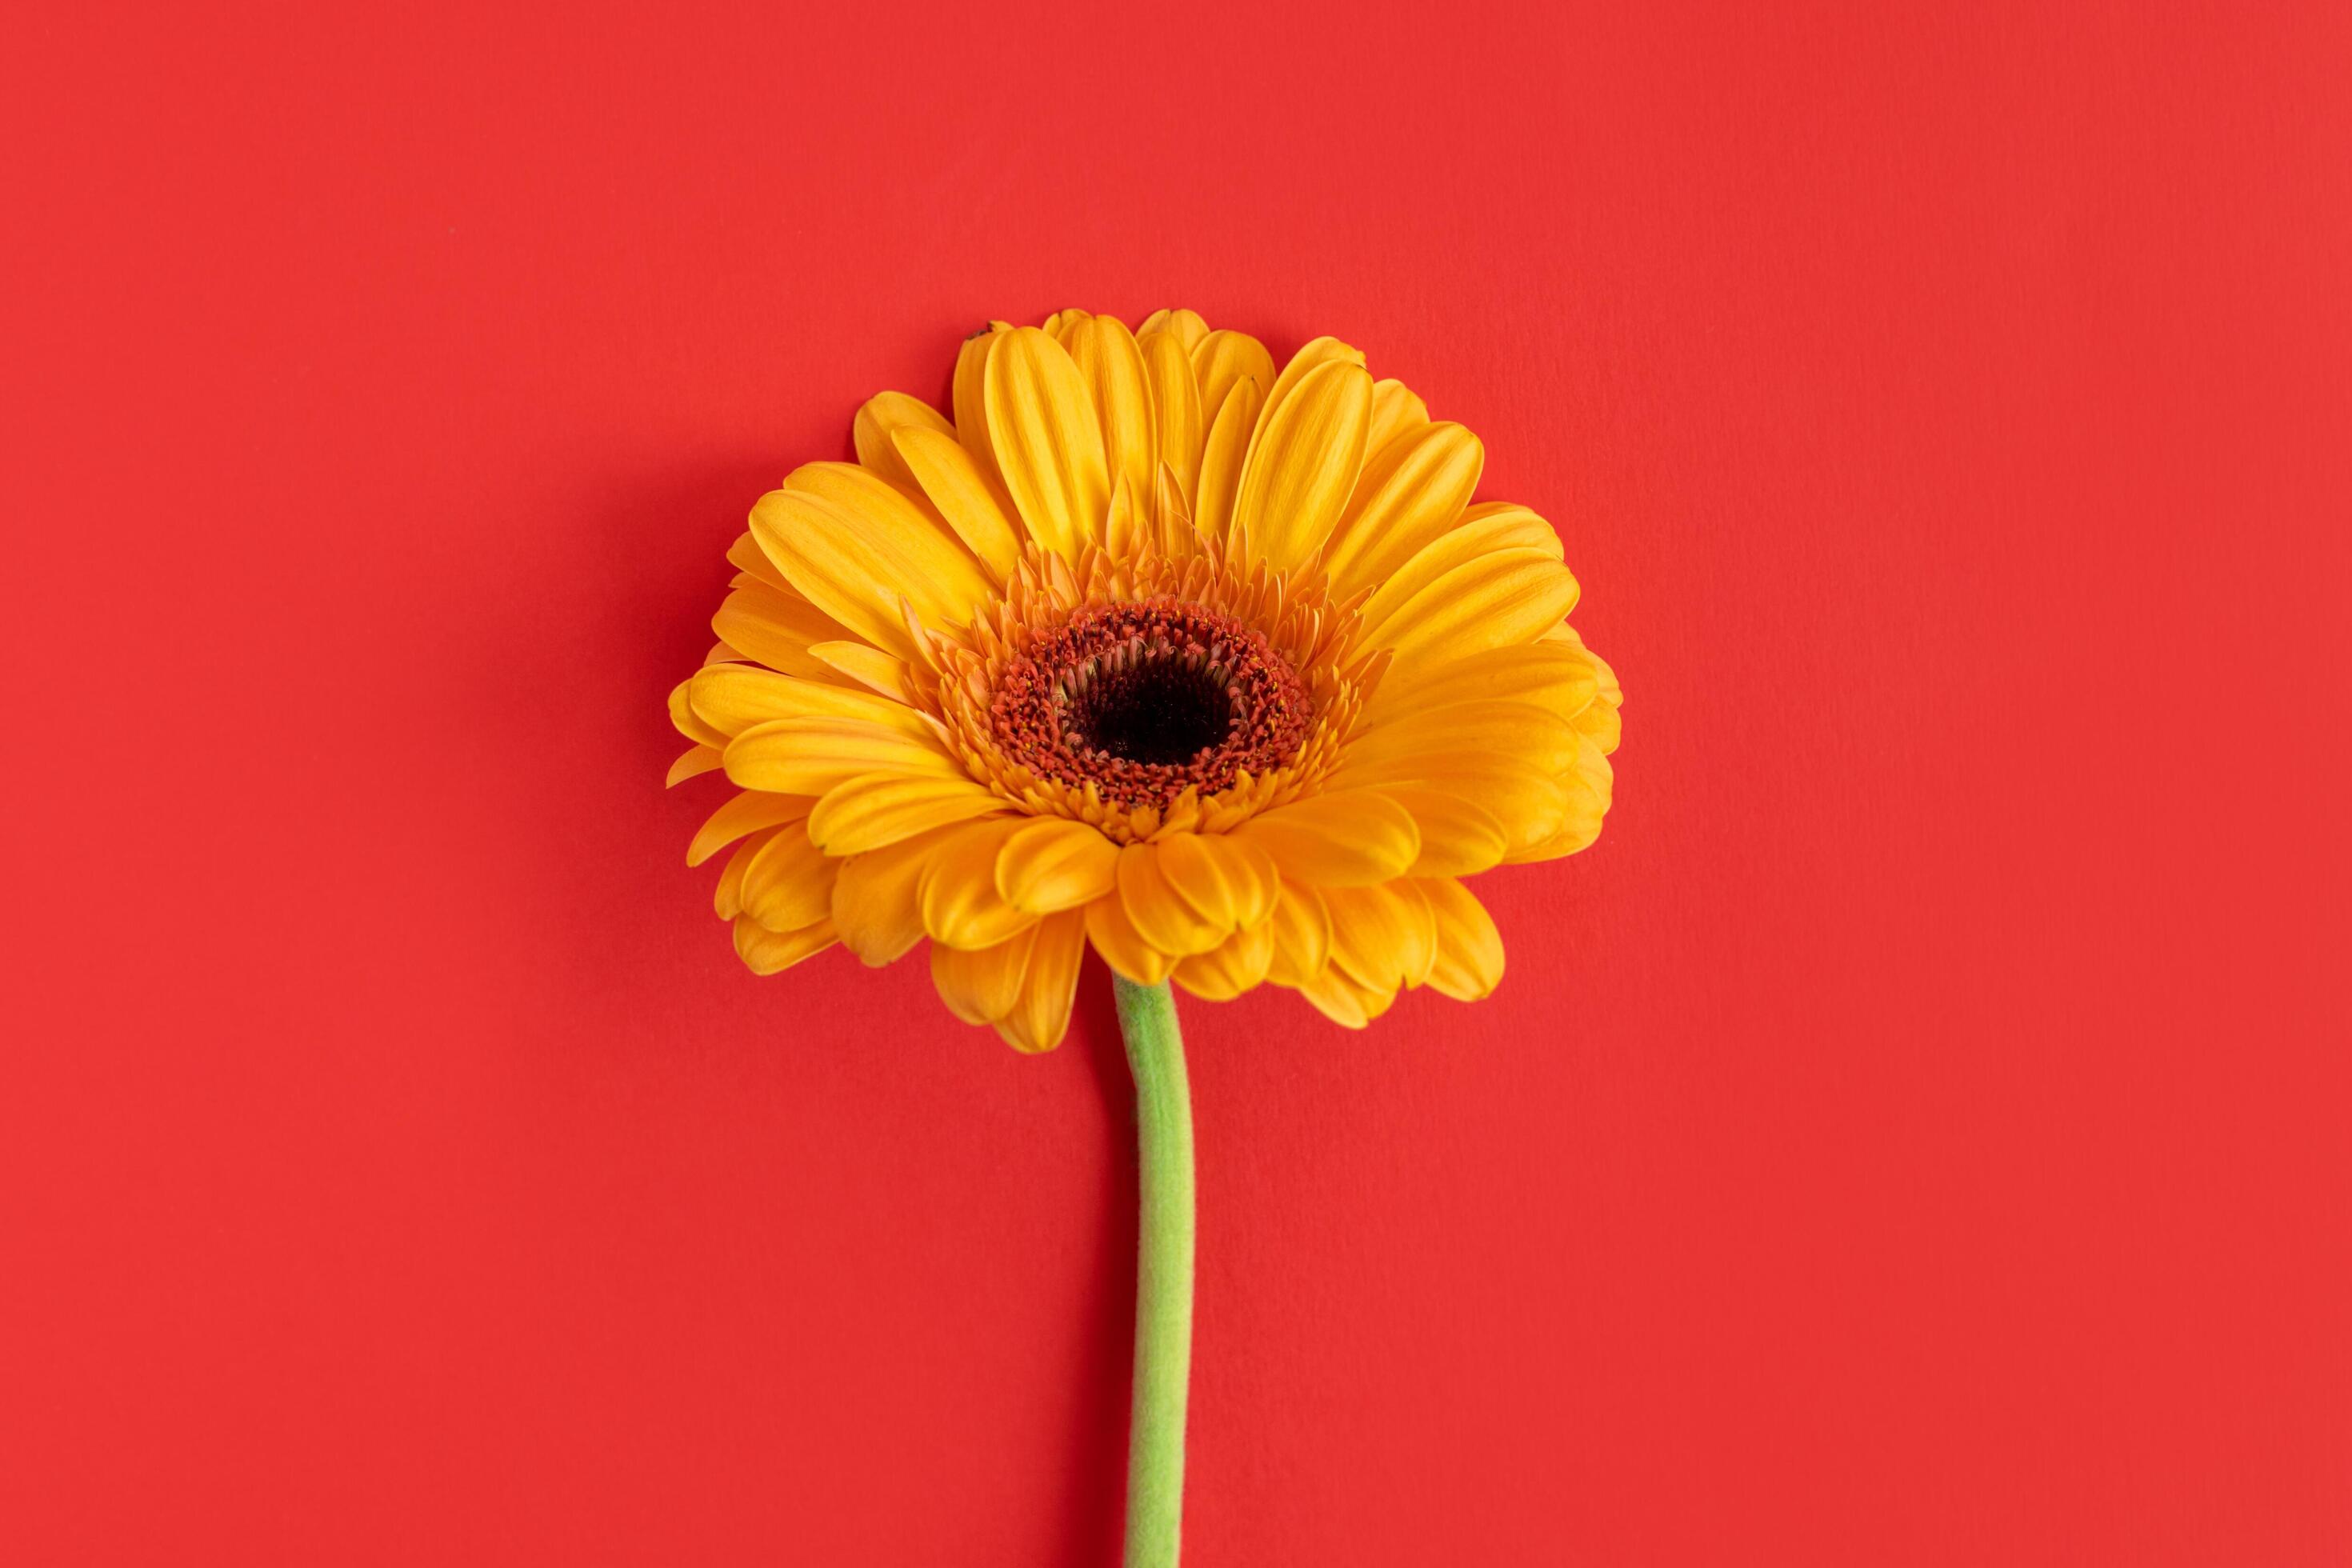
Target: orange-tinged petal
(1176,430)
(1384,937)
(1163,916)
(877,423)
(980,986)
(1302,935)
(1350,837)
(1228,881)
(1343,1001)
(766,952)
(1409,495)
(874,810)
(776,628)
(1506,597)
(1122,946)
(1469,964)
(728,897)
(1304,462)
(1041,1016)
(695,761)
(874,903)
(1221,361)
(733,697)
(689,723)
(748,558)
(965,495)
(810,756)
(1111,364)
(789,883)
(747,812)
(858,548)
(1048,440)
(1054,863)
(1224,971)
(957,892)
(1458,837)
(1525,799)
(1221,458)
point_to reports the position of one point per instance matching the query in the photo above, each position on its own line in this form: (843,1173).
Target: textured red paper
(1917,1134)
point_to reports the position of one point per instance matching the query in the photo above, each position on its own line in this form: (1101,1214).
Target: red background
(1916,1134)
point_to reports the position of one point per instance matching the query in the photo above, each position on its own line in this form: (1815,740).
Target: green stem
(1163,1287)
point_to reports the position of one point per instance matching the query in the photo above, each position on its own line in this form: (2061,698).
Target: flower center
(1145,700)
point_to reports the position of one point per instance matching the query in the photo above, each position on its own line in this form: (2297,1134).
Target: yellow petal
(776,628)
(1551,674)
(1041,1016)
(1506,597)
(869,667)
(810,756)
(765,951)
(1162,915)
(1111,364)
(1224,971)
(1175,408)
(1042,423)
(689,723)
(1458,837)
(789,883)
(1483,531)
(1350,837)
(1384,937)
(980,986)
(732,698)
(957,892)
(964,495)
(1469,949)
(1222,460)
(747,812)
(877,423)
(1525,731)
(1185,326)
(873,810)
(874,903)
(1585,793)
(1223,361)
(1229,882)
(1302,935)
(1345,1003)
(1396,414)
(697,760)
(970,399)
(1304,462)
(1122,946)
(728,897)
(1309,359)
(1523,798)
(1409,494)
(856,547)
(748,558)
(1054,863)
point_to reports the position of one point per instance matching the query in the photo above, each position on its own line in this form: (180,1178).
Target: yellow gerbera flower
(1152,647)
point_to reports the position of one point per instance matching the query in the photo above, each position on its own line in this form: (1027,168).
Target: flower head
(1215,669)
